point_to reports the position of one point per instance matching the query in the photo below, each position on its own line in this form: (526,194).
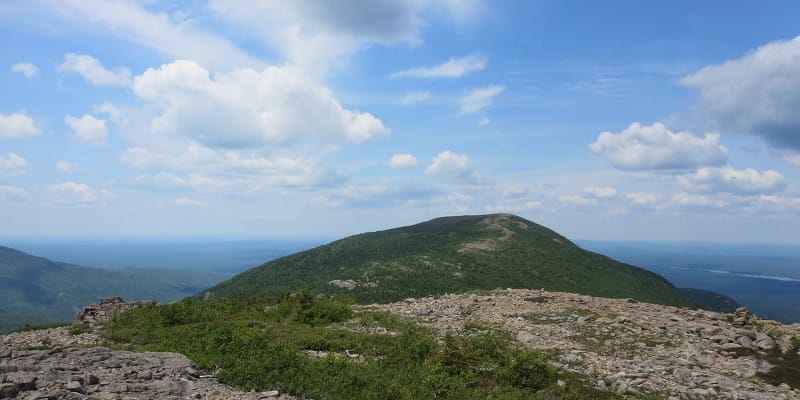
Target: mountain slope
(36,290)
(451,254)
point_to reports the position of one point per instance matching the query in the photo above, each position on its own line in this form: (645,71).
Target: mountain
(449,255)
(35,290)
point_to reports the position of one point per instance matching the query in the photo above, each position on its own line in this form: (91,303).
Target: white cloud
(643,198)
(514,207)
(690,200)
(12,165)
(484,121)
(247,108)
(729,180)
(66,167)
(29,70)
(234,168)
(478,99)
(655,147)
(93,71)
(315,35)
(453,167)
(403,160)
(758,93)
(793,158)
(780,201)
(78,193)
(17,126)
(12,194)
(166,33)
(88,129)
(452,68)
(113,112)
(514,192)
(415,97)
(578,200)
(187,202)
(600,192)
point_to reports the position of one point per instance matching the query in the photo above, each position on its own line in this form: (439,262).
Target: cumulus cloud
(27,69)
(246,108)
(453,167)
(12,165)
(478,99)
(780,201)
(758,93)
(403,160)
(230,168)
(187,202)
(415,97)
(698,201)
(793,158)
(655,147)
(600,192)
(88,129)
(78,193)
(113,112)
(66,167)
(484,121)
(93,71)
(12,194)
(17,126)
(643,198)
(452,68)
(729,180)
(577,200)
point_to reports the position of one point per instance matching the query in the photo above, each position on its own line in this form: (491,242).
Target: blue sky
(619,120)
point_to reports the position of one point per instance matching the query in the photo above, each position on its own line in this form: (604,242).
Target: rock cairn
(741,317)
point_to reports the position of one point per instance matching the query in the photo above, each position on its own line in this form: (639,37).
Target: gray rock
(74,386)
(8,390)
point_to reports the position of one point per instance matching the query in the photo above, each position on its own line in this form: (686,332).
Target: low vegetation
(320,348)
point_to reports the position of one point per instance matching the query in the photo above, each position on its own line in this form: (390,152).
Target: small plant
(79,328)
(537,299)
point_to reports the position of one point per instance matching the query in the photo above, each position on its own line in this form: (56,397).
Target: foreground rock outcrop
(69,363)
(620,344)
(625,345)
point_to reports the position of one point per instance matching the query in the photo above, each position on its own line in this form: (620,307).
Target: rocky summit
(623,345)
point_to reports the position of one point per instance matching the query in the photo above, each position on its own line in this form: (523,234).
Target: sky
(615,120)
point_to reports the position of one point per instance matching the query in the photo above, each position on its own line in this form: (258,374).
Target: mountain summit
(449,255)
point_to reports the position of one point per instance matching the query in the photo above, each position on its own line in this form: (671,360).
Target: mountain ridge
(36,290)
(451,255)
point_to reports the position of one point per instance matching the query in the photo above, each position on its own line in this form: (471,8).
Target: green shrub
(261,344)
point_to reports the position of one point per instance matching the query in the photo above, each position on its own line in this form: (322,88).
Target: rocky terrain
(625,345)
(621,344)
(70,363)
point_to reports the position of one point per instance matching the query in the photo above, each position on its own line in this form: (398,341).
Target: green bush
(261,343)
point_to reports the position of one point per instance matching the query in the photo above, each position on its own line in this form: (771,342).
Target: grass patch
(786,366)
(260,344)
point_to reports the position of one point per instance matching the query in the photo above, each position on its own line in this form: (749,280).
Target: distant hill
(36,290)
(452,254)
